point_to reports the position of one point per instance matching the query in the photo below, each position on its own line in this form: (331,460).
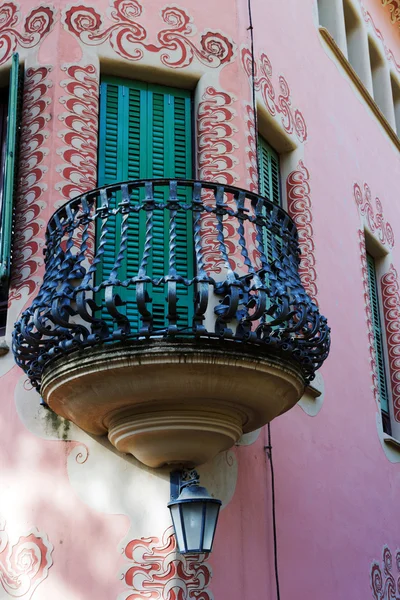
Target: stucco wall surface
(77,520)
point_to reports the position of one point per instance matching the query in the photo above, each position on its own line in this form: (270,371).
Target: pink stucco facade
(77,520)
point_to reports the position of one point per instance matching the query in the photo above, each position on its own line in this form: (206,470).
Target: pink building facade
(80,519)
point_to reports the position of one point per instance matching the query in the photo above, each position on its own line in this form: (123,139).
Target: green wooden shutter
(145,132)
(9,181)
(378,334)
(269,185)
(269,172)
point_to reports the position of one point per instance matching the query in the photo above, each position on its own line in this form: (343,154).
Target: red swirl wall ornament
(368,19)
(373,214)
(251,150)
(28,240)
(79,170)
(385,585)
(391,310)
(394,8)
(25,564)
(13,34)
(160,573)
(216,147)
(277,102)
(371,345)
(128,37)
(300,209)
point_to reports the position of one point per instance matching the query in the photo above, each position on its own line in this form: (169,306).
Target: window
(379,343)
(270,185)
(329,15)
(396,102)
(361,56)
(146,132)
(354,38)
(9,119)
(379,79)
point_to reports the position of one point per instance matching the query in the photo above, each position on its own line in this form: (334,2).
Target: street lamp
(194,513)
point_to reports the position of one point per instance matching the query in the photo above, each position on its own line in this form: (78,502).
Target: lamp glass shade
(177,523)
(210,525)
(194,515)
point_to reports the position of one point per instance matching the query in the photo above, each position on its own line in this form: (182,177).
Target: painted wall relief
(277,101)
(176,45)
(371,346)
(394,5)
(391,310)
(80,119)
(373,214)
(251,149)
(300,209)
(158,572)
(385,579)
(29,226)
(23,564)
(394,8)
(216,162)
(17,31)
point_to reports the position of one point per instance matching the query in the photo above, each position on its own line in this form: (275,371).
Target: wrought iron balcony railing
(171,259)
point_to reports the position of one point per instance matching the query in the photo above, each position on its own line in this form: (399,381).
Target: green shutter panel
(269,172)
(148,130)
(269,185)
(170,156)
(9,182)
(378,334)
(159,125)
(183,169)
(110,171)
(134,165)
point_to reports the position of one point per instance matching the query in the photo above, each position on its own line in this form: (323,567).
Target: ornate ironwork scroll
(82,303)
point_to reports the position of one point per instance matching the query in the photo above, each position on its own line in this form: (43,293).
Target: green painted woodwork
(9,179)
(378,334)
(146,132)
(270,186)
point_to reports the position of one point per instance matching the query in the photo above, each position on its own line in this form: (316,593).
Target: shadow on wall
(81,523)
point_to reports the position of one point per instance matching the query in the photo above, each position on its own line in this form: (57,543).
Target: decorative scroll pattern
(64,318)
(128,37)
(251,149)
(373,215)
(276,102)
(385,584)
(371,345)
(299,208)
(29,205)
(80,136)
(37,24)
(216,147)
(391,309)
(394,8)
(368,19)
(25,564)
(159,572)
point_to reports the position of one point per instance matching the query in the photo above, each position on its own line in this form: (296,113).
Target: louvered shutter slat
(378,334)
(145,131)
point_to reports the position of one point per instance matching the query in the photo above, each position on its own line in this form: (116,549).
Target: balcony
(171,317)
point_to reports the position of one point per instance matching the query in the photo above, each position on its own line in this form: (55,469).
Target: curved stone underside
(171,403)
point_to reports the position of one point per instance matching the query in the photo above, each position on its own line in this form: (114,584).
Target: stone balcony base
(171,402)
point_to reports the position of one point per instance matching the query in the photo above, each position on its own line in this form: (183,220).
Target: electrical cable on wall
(269,447)
(253,87)
(269,452)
